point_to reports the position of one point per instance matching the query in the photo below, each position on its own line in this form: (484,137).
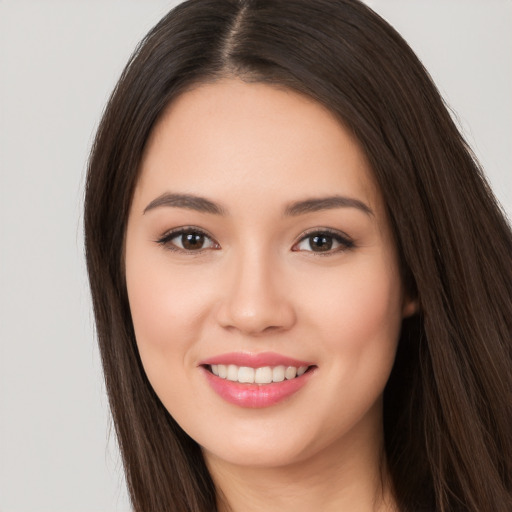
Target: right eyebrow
(188,201)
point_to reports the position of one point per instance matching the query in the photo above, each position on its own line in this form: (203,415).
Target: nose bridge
(256,300)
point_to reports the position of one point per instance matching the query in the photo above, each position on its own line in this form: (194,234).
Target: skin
(258,284)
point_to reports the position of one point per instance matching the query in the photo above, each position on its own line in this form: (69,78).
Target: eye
(188,240)
(323,242)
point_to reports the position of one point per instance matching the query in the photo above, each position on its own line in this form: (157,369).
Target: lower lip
(256,395)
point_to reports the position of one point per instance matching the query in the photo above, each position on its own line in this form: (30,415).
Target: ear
(410,307)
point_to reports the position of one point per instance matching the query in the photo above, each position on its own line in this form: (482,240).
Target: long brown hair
(448,403)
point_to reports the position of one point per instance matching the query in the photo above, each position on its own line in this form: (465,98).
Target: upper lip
(254,360)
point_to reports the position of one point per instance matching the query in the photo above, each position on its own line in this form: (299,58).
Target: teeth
(301,371)
(223,371)
(246,374)
(263,375)
(290,372)
(232,372)
(278,374)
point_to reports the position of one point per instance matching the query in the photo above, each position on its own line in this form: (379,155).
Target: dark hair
(448,403)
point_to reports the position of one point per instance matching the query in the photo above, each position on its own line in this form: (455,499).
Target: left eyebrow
(326,203)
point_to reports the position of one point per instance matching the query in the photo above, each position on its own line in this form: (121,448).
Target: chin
(258,455)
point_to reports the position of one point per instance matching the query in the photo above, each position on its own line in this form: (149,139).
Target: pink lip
(255,395)
(255,360)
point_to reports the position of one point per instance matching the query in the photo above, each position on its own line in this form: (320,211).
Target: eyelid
(342,238)
(165,239)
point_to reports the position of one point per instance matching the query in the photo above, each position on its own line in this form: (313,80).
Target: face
(262,276)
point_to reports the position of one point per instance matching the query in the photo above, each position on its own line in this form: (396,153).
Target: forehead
(234,139)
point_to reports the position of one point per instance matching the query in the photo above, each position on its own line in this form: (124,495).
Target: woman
(301,281)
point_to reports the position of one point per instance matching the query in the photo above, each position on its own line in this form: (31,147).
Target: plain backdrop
(59,61)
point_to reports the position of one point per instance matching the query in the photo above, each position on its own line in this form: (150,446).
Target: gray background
(59,61)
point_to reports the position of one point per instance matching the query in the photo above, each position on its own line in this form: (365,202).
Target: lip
(255,395)
(255,360)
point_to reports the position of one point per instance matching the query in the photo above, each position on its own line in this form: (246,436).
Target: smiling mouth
(261,375)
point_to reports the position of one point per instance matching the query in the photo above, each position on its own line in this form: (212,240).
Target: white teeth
(263,375)
(278,374)
(246,374)
(290,372)
(301,371)
(223,370)
(232,372)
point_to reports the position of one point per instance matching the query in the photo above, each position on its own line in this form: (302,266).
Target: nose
(256,300)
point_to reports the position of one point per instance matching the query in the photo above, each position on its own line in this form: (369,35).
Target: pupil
(321,243)
(192,241)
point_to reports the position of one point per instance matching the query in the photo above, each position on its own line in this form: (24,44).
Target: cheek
(168,305)
(359,317)
(356,327)
(166,309)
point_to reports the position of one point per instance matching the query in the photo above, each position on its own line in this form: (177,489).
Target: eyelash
(345,243)
(165,240)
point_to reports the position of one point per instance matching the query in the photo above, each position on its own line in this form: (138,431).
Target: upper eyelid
(335,233)
(165,239)
(185,229)
(329,231)
(346,242)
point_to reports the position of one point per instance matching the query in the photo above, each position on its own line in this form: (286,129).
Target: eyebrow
(326,203)
(188,201)
(203,205)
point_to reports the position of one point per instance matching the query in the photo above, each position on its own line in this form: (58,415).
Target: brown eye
(320,243)
(187,240)
(323,241)
(192,241)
